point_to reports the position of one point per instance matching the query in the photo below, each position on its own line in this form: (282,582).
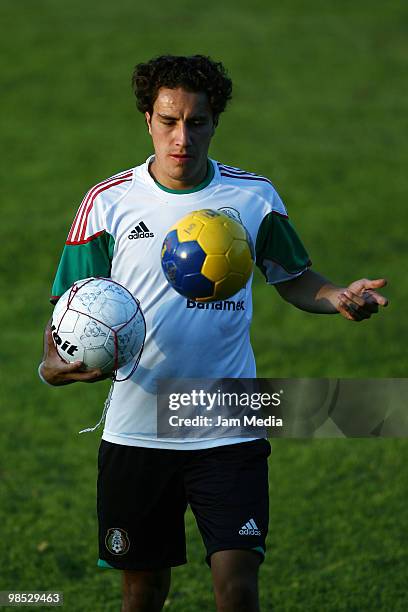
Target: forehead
(181,102)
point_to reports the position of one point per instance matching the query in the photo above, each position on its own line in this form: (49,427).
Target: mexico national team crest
(231,212)
(117,541)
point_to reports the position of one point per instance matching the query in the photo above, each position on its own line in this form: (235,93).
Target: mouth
(181,158)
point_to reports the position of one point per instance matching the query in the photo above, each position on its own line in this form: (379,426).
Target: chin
(182,173)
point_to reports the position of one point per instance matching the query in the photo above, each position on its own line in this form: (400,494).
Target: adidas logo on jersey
(141,231)
(250,528)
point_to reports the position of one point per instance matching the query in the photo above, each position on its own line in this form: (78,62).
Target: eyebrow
(193,118)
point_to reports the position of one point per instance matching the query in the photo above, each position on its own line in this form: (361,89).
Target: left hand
(360,300)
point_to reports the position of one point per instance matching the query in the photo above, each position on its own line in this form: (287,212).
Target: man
(145,483)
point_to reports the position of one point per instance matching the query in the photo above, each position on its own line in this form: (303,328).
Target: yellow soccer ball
(207,256)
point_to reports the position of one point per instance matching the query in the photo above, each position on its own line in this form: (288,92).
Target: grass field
(320,108)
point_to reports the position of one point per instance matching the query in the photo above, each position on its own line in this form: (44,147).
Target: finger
(344,310)
(364,285)
(75,366)
(89,376)
(353,297)
(60,370)
(377,297)
(99,378)
(49,339)
(369,299)
(354,315)
(374,284)
(357,305)
(352,311)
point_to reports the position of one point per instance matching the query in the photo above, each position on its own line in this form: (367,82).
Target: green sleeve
(280,254)
(93,258)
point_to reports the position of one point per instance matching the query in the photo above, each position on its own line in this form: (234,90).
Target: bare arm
(314,293)
(57,372)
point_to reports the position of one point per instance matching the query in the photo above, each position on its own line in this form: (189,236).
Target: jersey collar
(211,173)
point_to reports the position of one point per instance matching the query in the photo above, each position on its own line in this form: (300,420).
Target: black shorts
(143,494)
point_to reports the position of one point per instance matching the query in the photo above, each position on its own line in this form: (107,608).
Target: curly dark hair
(194,73)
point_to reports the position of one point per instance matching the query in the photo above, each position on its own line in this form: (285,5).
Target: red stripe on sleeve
(80,234)
(81,210)
(73,242)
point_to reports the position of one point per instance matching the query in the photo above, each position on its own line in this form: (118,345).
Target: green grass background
(319,107)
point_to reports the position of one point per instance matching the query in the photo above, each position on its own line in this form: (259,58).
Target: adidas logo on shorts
(250,528)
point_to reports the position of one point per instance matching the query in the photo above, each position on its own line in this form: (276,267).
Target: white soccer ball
(99,322)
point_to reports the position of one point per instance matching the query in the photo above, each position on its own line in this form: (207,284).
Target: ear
(149,122)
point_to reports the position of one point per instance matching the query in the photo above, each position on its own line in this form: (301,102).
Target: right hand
(58,372)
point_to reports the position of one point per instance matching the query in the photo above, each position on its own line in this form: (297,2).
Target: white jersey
(119,231)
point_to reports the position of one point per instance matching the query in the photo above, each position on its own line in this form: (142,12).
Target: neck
(178,184)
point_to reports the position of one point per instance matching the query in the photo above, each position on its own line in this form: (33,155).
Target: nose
(182,136)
